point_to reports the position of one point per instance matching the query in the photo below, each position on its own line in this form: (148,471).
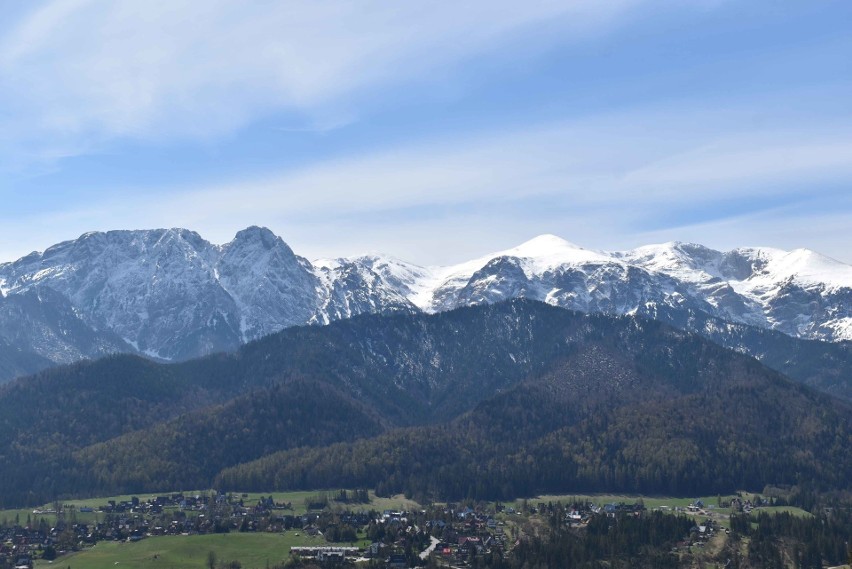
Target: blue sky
(434,131)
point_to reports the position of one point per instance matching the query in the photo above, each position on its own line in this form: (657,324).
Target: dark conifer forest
(495,401)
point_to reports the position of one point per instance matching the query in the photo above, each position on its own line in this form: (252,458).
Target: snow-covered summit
(744,285)
(805,267)
(539,255)
(698,263)
(433,285)
(685,260)
(549,251)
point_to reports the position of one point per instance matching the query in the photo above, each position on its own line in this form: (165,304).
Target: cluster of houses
(54,531)
(451,533)
(15,549)
(699,535)
(747,505)
(401,537)
(470,533)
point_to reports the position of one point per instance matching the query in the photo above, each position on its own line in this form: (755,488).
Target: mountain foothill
(141,361)
(489,401)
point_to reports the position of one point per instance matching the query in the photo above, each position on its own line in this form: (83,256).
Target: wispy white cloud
(653,160)
(601,182)
(74,73)
(751,157)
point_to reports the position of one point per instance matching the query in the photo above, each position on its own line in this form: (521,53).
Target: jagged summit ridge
(171,294)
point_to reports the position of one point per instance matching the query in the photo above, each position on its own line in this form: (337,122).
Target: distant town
(332,527)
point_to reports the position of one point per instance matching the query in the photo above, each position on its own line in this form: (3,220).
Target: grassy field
(83,517)
(650,502)
(9,516)
(781,509)
(400,502)
(720,515)
(253,550)
(297,499)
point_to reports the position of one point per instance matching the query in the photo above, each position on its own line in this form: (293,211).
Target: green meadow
(253,550)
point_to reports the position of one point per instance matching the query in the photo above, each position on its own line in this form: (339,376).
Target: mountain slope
(187,452)
(640,410)
(487,379)
(15,362)
(155,289)
(40,328)
(409,369)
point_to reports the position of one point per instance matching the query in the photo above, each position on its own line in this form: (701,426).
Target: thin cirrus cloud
(644,157)
(602,181)
(78,72)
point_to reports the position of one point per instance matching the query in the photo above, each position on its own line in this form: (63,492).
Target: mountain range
(170,295)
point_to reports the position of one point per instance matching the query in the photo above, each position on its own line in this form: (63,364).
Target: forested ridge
(826,366)
(187,452)
(754,432)
(492,401)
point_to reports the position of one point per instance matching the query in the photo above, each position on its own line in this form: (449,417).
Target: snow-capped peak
(549,251)
(540,254)
(261,235)
(686,261)
(545,244)
(330,264)
(806,267)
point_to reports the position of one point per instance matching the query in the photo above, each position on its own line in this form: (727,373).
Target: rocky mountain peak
(261,236)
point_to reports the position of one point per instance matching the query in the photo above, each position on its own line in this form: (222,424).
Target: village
(327,528)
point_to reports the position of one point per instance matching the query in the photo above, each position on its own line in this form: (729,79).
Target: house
(574,517)
(324,552)
(331,554)
(465,513)
(470,546)
(374,548)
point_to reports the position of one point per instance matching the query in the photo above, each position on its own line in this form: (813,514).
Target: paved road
(429,549)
